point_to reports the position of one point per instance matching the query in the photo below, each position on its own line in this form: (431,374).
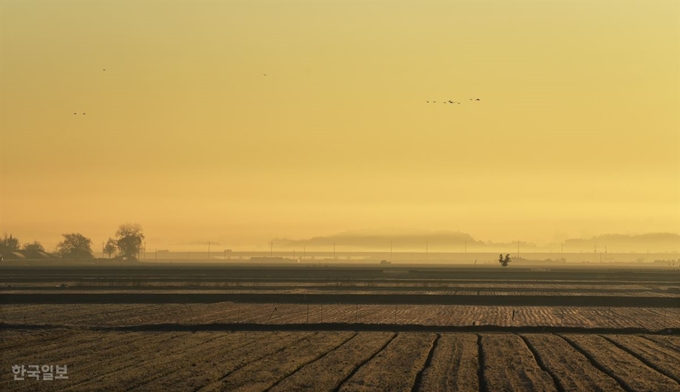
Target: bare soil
(630,371)
(436,315)
(509,365)
(395,367)
(571,369)
(326,373)
(455,365)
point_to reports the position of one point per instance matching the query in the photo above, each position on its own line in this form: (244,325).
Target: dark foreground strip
(339,327)
(410,299)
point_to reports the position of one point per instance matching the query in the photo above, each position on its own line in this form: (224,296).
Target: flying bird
(264,74)
(75,114)
(84,114)
(450,101)
(104,69)
(478,99)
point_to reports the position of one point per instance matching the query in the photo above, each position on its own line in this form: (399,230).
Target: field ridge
(313,327)
(483,387)
(428,362)
(541,364)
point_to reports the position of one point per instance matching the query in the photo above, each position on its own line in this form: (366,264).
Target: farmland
(342,361)
(341,334)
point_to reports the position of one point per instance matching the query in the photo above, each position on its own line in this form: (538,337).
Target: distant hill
(380,240)
(451,241)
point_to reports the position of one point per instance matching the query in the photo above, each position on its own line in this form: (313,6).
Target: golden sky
(577,130)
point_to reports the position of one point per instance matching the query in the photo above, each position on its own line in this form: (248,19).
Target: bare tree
(504,261)
(110,247)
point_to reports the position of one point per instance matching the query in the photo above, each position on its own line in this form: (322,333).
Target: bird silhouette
(478,99)
(264,74)
(434,101)
(84,114)
(104,69)
(75,114)
(427,101)
(450,101)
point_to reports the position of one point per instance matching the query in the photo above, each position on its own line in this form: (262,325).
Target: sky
(576,133)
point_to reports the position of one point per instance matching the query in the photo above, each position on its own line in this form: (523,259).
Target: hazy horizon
(161,114)
(401,240)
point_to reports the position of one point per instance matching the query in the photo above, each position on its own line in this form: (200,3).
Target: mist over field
(453,241)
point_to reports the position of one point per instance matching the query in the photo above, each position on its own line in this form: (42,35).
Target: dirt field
(521,331)
(341,361)
(110,315)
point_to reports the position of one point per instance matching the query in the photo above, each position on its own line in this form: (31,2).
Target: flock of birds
(454,102)
(445,102)
(83,114)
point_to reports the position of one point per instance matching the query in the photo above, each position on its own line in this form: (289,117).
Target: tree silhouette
(34,246)
(129,238)
(75,246)
(9,244)
(504,261)
(110,247)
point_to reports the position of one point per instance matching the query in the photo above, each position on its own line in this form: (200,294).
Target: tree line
(127,243)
